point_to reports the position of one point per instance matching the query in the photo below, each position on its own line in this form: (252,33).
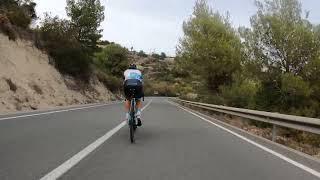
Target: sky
(156,26)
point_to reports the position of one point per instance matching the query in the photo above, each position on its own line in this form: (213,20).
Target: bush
(268,98)
(18,17)
(142,54)
(113,59)
(72,60)
(6,27)
(295,92)
(15,14)
(155,55)
(241,93)
(163,56)
(20,13)
(163,88)
(104,42)
(148,88)
(69,55)
(114,84)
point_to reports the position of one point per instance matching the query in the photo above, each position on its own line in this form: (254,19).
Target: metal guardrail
(295,122)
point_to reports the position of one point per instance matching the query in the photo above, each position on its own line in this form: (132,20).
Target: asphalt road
(173,144)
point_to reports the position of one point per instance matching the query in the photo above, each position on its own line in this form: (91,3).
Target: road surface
(93,143)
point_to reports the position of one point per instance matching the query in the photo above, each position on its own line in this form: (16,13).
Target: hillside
(158,74)
(28,81)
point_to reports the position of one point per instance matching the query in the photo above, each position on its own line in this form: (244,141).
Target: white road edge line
(295,163)
(67,165)
(56,111)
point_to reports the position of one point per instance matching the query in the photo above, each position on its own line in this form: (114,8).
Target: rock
(4,87)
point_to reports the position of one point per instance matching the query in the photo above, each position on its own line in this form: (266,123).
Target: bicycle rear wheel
(132,133)
(132,123)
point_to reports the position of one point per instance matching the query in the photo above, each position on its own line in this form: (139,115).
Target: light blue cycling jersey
(133,74)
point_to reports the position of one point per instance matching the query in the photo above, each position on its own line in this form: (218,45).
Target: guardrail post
(274,133)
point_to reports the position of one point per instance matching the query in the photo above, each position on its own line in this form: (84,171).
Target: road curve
(173,144)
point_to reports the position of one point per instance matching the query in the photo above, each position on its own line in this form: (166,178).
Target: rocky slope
(28,81)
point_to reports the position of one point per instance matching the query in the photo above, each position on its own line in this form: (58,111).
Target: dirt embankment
(28,81)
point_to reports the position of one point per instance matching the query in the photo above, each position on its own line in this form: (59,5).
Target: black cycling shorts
(133,88)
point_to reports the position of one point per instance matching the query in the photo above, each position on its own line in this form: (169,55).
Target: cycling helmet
(132,66)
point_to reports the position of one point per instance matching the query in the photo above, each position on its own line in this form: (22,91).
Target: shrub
(155,55)
(241,93)
(163,56)
(20,13)
(148,88)
(6,27)
(142,54)
(113,83)
(295,92)
(69,55)
(113,59)
(18,17)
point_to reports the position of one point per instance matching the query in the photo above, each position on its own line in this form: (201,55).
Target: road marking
(67,165)
(295,163)
(56,111)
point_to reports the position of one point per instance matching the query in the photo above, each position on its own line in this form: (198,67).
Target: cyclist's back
(133,74)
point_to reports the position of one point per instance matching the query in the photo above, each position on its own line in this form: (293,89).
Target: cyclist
(133,80)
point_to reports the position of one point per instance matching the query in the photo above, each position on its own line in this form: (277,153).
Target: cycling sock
(138,114)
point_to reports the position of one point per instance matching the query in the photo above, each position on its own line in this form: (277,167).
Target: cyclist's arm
(124,75)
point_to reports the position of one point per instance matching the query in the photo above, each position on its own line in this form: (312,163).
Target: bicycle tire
(132,121)
(132,133)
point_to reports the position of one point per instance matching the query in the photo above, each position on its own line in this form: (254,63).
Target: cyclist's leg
(127,107)
(139,90)
(139,106)
(127,101)
(139,103)
(138,114)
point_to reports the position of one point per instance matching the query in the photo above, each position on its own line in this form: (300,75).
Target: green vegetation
(163,56)
(155,55)
(73,43)
(272,65)
(112,61)
(142,54)
(210,47)
(19,12)
(16,15)
(59,40)
(86,17)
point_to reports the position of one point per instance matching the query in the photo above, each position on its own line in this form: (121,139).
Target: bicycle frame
(132,111)
(132,120)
